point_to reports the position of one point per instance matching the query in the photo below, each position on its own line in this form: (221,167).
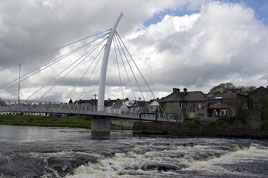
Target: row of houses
(178,104)
(196,104)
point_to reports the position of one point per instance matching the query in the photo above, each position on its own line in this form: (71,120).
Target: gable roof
(184,97)
(260,89)
(153,103)
(117,104)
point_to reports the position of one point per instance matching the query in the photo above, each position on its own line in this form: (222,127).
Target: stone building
(185,104)
(255,98)
(226,104)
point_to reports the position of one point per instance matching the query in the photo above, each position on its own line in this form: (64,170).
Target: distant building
(154,106)
(196,104)
(185,104)
(255,97)
(119,107)
(226,104)
(138,106)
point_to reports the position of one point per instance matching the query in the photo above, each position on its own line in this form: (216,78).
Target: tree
(247,89)
(70,101)
(222,88)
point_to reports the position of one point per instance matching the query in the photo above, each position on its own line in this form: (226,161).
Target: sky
(193,44)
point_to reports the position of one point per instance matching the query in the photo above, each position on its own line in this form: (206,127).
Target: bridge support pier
(100,124)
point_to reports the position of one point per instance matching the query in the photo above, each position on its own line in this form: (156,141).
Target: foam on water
(197,158)
(59,152)
(215,165)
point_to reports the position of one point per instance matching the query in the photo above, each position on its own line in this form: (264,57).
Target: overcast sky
(194,44)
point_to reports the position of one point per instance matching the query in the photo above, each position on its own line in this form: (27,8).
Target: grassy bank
(79,122)
(53,121)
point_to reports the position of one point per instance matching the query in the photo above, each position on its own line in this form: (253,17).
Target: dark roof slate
(188,97)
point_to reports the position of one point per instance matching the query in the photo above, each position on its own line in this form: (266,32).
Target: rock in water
(160,167)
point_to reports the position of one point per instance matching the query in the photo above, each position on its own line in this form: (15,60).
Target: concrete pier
(100,124)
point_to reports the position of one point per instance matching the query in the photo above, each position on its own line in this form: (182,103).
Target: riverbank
(53,121)
(198,129)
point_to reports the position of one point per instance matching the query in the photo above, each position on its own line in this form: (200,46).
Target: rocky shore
(196,130)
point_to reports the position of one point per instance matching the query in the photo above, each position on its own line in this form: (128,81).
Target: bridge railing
(68,108)
(48,107)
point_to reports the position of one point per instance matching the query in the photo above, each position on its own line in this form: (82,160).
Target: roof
(139,104)
(195,96)
(186,97)
(260,89)
(153,103)
(117,104)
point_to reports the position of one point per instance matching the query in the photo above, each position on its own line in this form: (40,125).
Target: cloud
(223,42)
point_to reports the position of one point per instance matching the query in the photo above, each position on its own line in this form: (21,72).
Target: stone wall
(190,130)
(253,119)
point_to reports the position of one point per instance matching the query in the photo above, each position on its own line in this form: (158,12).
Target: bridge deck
(82,111)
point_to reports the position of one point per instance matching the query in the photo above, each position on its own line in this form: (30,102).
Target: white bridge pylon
(102,80)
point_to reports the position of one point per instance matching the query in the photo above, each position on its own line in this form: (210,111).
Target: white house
(119,107)
(154,106)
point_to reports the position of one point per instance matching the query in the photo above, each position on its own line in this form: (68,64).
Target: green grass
(52,121)
(79,122)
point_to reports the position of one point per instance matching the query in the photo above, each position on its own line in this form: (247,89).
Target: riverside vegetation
(52,121)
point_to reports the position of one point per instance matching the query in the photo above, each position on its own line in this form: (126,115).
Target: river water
(74,153)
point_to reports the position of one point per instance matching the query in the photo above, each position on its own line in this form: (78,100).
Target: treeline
(226,87)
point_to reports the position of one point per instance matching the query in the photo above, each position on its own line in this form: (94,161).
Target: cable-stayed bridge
(48,108)
(81,58)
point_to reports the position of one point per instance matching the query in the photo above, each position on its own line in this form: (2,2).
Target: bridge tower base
(100,124)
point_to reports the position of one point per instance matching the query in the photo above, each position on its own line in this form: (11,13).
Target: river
(74,153)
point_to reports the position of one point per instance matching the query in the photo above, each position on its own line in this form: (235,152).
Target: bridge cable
(119,75)
(89,78)
(75,67)
(132,72)
(79,60)
(56,49)
(47,91)
(131,87)
(140,72)
(68,96)
(135,65)
(58,59)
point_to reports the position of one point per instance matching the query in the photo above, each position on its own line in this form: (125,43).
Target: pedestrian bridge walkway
(78,109)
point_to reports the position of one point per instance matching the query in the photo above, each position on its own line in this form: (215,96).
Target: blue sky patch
(158,17)
(260,8)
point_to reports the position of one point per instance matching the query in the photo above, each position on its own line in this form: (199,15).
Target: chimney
(185,91)
(176,90)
